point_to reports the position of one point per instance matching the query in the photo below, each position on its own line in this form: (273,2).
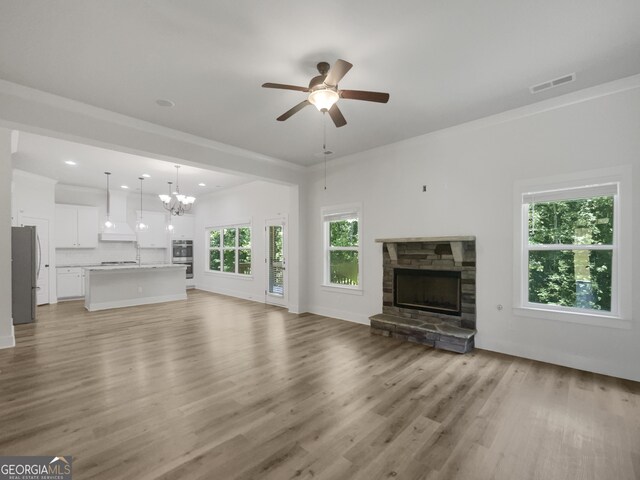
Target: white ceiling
(443,63)
(47,156)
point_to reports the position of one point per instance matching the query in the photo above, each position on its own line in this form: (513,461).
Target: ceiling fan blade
(336,116)
(285,87)
(339,70)
(293,110)
(362,95)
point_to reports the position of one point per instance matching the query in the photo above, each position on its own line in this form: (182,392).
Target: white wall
(6,322)
(108,251)
(33,196)
(470,172)
(252,202)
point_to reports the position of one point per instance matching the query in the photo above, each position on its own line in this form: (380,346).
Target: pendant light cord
(140,224)
(108,174)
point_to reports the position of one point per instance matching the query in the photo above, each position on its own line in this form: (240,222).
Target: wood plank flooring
(220,388)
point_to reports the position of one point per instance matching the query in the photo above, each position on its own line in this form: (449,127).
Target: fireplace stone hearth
(439,309)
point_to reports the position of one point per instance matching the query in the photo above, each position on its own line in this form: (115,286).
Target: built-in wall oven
(183,254)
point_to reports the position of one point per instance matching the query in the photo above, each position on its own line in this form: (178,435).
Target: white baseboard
(8,341)
(94,307)
(245,296)
(340,315)
(295,309)
(232,293)
(629,371)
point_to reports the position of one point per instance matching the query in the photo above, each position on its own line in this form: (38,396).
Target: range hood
(121,231)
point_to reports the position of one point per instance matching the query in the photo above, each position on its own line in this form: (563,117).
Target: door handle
(39,255)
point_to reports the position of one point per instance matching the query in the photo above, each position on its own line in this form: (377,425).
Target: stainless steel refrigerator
(23,274)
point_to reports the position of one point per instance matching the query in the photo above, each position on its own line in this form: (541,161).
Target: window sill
(228,275)
(596,320)
(340,289)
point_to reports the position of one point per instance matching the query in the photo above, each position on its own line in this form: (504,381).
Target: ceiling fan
(323,92)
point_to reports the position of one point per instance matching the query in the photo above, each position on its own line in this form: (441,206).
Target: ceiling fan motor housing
(317,82)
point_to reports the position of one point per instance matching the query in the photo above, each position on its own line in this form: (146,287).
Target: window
(342,249)
(571,248)
(230,249)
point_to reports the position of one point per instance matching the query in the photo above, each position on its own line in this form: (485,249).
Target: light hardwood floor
(220,388)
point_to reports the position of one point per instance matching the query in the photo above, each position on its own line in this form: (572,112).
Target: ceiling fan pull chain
(324,145)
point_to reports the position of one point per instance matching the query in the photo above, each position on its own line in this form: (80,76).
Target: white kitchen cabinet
(155,235)
(76,226)
(183,227)
(70,282)
(66,226)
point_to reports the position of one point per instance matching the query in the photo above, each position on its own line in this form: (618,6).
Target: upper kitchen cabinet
(76,226)
(155,235)
(183,227)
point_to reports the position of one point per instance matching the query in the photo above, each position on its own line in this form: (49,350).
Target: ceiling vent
(556,82)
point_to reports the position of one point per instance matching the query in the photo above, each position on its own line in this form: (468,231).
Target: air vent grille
(556,82)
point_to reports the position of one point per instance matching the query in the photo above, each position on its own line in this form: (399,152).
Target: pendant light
(170,225)
(140,226)
(108,224)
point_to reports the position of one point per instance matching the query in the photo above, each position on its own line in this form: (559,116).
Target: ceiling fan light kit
(323,92)
(323,98)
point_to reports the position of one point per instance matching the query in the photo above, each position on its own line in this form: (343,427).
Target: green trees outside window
(230,250)
(570,253)
(343,252)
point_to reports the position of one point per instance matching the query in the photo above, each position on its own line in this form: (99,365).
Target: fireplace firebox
(437,291)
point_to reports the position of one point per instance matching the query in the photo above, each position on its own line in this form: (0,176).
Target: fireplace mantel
(468,238)
(456,242)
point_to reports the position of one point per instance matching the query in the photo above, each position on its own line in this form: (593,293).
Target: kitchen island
(116,286)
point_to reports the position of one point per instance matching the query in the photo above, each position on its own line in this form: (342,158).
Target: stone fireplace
(429,288)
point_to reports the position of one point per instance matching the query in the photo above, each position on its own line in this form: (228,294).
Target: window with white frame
(342,256)
(230,249)
(570,249)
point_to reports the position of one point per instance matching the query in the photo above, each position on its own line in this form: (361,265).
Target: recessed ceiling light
(124,186)
(70,162)
(163,102)
(202,184)
(146,175)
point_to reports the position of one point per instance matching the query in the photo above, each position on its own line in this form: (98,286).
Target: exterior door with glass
(276,291)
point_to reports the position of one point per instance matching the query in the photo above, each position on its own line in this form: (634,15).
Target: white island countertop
(116,286)
(100,268)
